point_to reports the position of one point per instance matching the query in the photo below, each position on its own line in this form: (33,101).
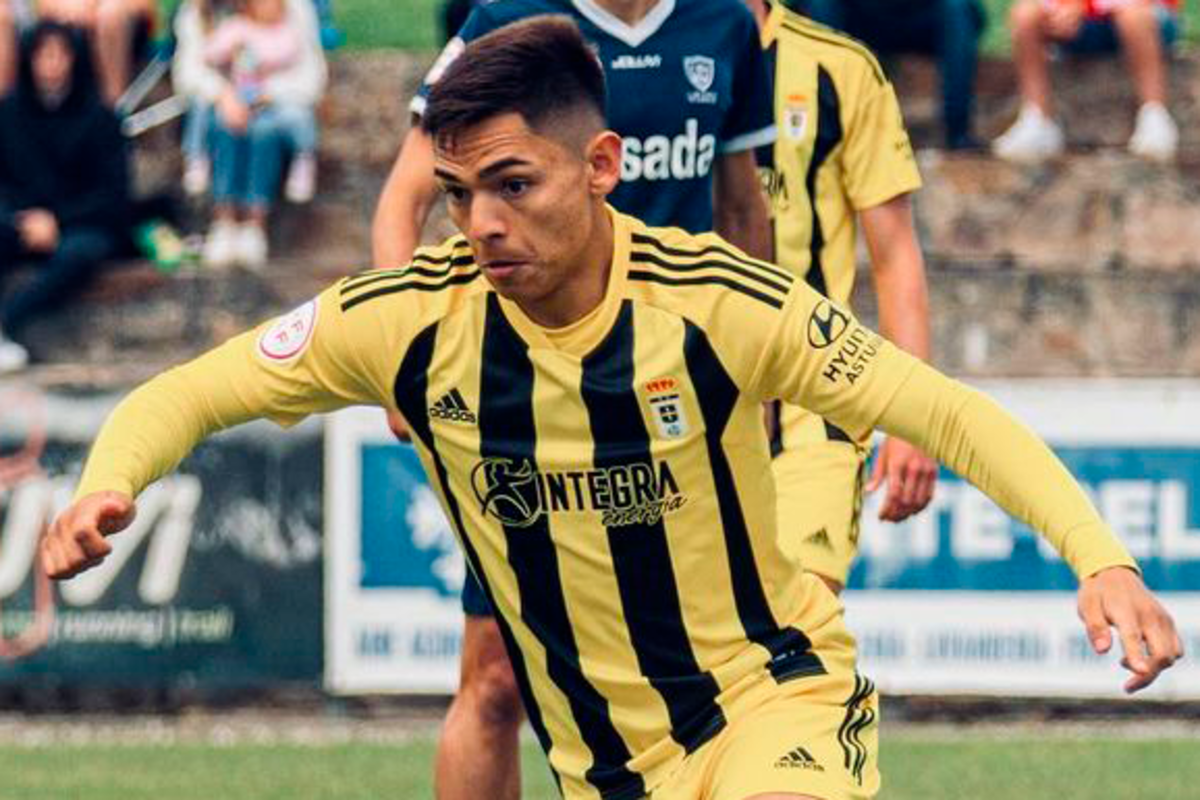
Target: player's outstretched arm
(972,435)
(898,270)
(821,358)
(76,539)
(1117,598)
(405,203)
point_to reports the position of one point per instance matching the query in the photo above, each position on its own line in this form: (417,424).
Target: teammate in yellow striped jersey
(606,471)
(841,157)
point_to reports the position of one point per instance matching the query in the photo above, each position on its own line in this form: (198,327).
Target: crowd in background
(253,73)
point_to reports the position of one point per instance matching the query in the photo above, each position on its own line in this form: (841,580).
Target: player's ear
(603,155)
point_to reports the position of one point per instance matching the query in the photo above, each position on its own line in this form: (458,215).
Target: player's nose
(486,221)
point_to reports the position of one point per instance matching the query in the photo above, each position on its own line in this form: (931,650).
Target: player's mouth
(503,268)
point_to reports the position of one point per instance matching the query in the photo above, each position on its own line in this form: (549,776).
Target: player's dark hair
(540,68)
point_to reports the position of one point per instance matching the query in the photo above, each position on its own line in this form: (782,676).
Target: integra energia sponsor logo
(514,492)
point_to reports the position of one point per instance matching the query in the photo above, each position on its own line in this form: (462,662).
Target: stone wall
(1085,266)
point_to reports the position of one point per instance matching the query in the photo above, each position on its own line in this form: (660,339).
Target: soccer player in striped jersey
(611,492)
(841,158)
(690,96)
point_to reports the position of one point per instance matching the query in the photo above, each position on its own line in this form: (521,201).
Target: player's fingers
(92,544)
(926,481)
(913,475)
(115,513)
(50,556)
(878,470)
(1091,612)
(1162,641)
(893,504)
(1129,630)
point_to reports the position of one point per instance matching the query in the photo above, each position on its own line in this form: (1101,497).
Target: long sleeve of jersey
(821,358)
(286,369)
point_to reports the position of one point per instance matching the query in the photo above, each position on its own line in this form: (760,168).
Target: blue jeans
(947,29)
(197,125)
(58,276)
(247,166)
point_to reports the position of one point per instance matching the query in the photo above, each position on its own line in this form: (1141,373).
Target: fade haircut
(540,68)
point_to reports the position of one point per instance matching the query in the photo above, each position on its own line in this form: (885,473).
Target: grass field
(413,24)
(974,768)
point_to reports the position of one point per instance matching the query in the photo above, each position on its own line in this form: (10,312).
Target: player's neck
(585,288)
(631,12)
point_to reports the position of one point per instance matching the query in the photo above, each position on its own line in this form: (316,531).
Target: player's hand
(38,229)
(234,114)
(910,476)
(76,540)
(398,426)
(1117,598)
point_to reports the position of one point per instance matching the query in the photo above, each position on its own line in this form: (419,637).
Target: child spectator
(946,29)
(64,191)
(1141,28)
(263,71)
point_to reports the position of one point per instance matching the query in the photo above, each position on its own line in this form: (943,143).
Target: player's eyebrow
(501,165)
(446,175)
(485,173)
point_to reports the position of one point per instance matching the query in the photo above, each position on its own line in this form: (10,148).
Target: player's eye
(455,194)
(514,187)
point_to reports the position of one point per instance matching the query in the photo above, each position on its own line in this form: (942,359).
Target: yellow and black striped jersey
(842,147)
(609,482)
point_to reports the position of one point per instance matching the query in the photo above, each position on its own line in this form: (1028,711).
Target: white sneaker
(221,244)
(196,175)
(1032,138)
(13,357)
(251,246)
(1155,136)
(301,184)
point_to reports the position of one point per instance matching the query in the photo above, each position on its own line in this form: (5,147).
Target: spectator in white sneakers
(1142,29)
(64,185)
(262,71)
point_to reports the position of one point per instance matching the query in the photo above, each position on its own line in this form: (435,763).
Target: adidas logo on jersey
(799,758)
(659,158)
(452,408)
(636,62)
(820,539)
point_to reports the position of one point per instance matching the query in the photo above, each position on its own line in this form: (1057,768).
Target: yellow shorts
(819,487)
(817,737)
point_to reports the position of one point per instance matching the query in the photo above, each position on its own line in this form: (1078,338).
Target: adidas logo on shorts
(452,408)
(799,758)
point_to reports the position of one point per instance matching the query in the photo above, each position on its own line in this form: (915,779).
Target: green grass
(980,769)
(375,24)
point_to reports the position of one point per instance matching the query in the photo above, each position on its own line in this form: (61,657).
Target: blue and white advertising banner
(964,599)
(961,599)
(394,570)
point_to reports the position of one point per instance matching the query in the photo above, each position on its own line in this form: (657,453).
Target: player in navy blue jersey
(689,92)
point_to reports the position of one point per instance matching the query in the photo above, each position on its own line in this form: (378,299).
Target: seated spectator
(1141,28)
(194,79)
(263,71)
(64,190)
(947,29)
(116,29)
